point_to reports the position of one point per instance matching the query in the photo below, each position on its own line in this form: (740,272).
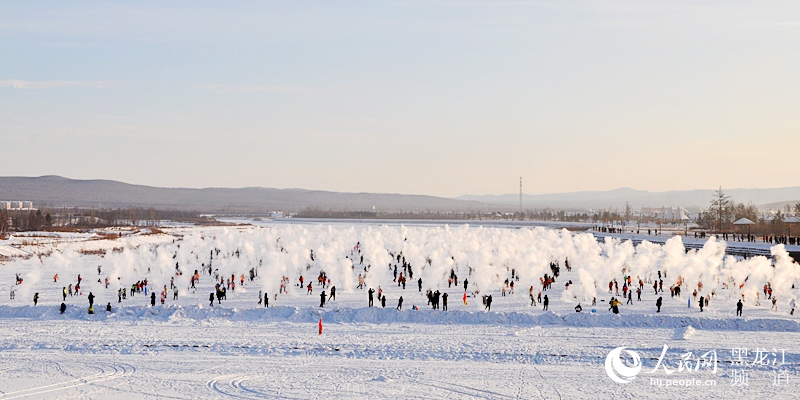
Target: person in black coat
(739,306)
(63,308)
(658,305)
(153,299)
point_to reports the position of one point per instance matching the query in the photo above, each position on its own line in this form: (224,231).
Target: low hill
(617,198)
(56,191)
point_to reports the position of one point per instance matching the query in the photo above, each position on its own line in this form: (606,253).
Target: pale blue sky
(426,97)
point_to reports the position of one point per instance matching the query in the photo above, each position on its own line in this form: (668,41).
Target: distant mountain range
(56,191)
(617,198)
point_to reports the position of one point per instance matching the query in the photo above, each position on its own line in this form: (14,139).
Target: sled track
(232,387)
(108,371)
(460,390)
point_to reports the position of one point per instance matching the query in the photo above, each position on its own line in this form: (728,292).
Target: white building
(17,205)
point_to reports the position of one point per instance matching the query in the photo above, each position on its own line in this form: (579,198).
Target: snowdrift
(375,315)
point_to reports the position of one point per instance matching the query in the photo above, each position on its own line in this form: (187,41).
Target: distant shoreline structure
(17,205)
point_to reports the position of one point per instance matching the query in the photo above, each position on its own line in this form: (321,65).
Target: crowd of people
(620,290)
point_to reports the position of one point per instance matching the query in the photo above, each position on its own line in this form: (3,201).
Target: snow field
(238,349)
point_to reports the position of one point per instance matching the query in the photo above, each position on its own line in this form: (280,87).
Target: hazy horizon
(435,98)
(525,193)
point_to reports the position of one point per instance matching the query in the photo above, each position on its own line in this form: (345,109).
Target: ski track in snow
(108,371)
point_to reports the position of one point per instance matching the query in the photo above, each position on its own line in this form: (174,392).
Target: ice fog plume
(485,256)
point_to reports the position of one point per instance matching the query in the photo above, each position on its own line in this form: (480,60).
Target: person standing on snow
(35,298)
(153,299)
(614,305)
(400,303)
(739,306)
(91,299)
(322,299)
(444,301)
(211,299)
(791,305)
(546,302)
(370,292)
(419,284)
(333,293)
(658,305)
(488,302)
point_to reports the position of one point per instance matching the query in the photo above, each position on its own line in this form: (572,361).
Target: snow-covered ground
(239,349)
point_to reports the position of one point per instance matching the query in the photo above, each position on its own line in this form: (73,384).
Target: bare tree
(720,207)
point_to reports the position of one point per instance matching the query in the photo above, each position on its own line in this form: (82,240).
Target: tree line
(78,218)
(723,212)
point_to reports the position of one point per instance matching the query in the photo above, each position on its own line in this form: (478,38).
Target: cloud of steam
(485,256)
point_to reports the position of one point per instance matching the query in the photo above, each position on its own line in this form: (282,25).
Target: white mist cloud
(20,84)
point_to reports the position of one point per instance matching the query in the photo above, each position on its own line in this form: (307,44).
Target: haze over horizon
(436,98)
(474,196)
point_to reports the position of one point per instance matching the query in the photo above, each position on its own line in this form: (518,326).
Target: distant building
(17,205)
(666,213)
